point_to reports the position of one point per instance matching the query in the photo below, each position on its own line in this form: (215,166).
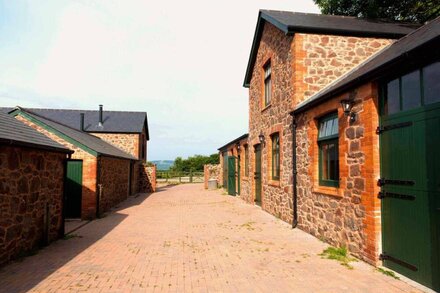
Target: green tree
(194,163)
(417,11)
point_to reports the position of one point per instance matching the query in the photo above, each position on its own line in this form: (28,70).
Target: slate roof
(296,22)
(244,136)
(404,51)
(90,141)
(16,133)
(113,121)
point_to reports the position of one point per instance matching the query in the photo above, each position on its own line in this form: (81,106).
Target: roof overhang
(238,139)
(18,143)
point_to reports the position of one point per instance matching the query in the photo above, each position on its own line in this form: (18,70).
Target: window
(328,151)
(412,90)
(431,84)
(275,156)
(246,161)
(267,83)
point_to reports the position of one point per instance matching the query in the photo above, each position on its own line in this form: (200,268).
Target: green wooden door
(231,175)
(238,175)
(410,193)
(73,189)
(257,174)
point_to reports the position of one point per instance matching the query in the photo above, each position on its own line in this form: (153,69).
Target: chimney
(101,122)
(81,121)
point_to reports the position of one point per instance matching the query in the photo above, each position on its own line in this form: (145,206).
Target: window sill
(275,183)
(265,108)
(328,190)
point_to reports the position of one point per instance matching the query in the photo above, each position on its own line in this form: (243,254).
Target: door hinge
(385,194)
(384,256)
(379,129)
(382,181)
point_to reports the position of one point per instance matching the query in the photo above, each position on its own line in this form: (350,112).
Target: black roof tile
(90,141)
(113,121)
(296,22)
(244,136)
(14,132)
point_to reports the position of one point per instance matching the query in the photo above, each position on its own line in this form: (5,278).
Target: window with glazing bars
(275,156)
(415,89)
(267,83)
(328,151)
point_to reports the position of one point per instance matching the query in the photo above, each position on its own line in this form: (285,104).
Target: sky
(182,62)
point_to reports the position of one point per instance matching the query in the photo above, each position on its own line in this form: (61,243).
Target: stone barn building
(99,174)
(32,169)
(372,140)
(319,168)
(126,130)
(234,167)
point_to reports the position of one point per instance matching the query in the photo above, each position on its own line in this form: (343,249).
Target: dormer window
(267,83)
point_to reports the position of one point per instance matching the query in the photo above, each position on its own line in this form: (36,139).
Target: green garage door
(410,176)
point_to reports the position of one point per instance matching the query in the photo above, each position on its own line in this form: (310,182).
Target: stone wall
(147,178)
(88,203)
(276,46)
(128,142)
(321,59)
(211,172)
(115,182)
(31,181)
(350,214)
(301,65)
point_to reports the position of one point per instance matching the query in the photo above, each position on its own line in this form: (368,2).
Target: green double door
(410,193)
(73,189)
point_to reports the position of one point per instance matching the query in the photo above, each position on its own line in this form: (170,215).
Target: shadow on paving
(24,274)
(166,187)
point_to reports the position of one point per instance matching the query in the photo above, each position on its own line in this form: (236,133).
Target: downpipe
(294,174)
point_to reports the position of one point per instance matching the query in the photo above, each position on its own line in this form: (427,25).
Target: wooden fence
(179,177)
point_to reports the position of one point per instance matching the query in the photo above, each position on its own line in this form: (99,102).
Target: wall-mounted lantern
(347,107)
(238,147)
(261,137)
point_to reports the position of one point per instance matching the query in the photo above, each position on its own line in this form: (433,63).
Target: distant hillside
(163,164)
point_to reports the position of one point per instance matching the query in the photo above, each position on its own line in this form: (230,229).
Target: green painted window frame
(246,160)
(267,83)
(275,156)
(328,140)
(398,78)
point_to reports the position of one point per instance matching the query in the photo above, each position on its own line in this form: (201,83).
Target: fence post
(190,176)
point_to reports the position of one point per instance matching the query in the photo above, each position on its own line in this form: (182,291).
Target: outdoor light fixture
(347,107)
(261,137)
(238,147)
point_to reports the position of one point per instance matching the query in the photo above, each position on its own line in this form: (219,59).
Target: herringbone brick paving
(186,239)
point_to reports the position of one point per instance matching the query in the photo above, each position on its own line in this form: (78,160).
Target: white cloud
(182,61)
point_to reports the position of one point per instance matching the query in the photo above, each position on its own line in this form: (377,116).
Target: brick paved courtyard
(184,238)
